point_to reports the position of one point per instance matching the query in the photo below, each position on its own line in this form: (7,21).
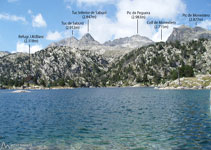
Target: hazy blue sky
(44,17)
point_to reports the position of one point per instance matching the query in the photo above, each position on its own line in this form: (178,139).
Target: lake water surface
(105,119)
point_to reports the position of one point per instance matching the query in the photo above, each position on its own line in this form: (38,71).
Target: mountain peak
(88,37)
(183,26)
(139,37)
(73,38)
(71,42)
(136,36)
(87,40)
(184,34)
(197,28)
(134,41)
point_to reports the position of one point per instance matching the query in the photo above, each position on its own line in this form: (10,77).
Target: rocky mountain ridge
(70,66)
(134,41)
(110,49)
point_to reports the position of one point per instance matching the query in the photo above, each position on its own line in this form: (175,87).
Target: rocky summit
(132,42)
(184,34)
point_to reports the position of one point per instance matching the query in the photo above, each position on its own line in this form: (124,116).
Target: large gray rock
(184,34)
(134,41)
(2,53)
(70,42)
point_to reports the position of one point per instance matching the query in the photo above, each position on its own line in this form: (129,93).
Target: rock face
(55,63)
(184,34)
(70,42)
(2,53)
(132,42)
(86,40)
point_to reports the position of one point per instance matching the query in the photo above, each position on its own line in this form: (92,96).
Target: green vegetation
(184,71)
(11,82)
(153,64)
(43,83)
(157,63)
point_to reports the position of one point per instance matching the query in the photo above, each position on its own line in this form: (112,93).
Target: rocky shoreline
(182,88)
(195,83)
(35,88)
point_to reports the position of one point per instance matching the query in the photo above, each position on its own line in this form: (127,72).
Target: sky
(45,17)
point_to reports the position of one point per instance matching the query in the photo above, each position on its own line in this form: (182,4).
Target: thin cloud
(205,24)
(24,48)
(91,2)
(30,12)
(94,1)
(12,1)
(53,36)
(9,17)
(124,26)
(69,7)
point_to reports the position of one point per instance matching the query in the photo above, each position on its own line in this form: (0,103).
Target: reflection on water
(106,118)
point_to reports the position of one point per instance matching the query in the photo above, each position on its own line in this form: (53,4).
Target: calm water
(106,119)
